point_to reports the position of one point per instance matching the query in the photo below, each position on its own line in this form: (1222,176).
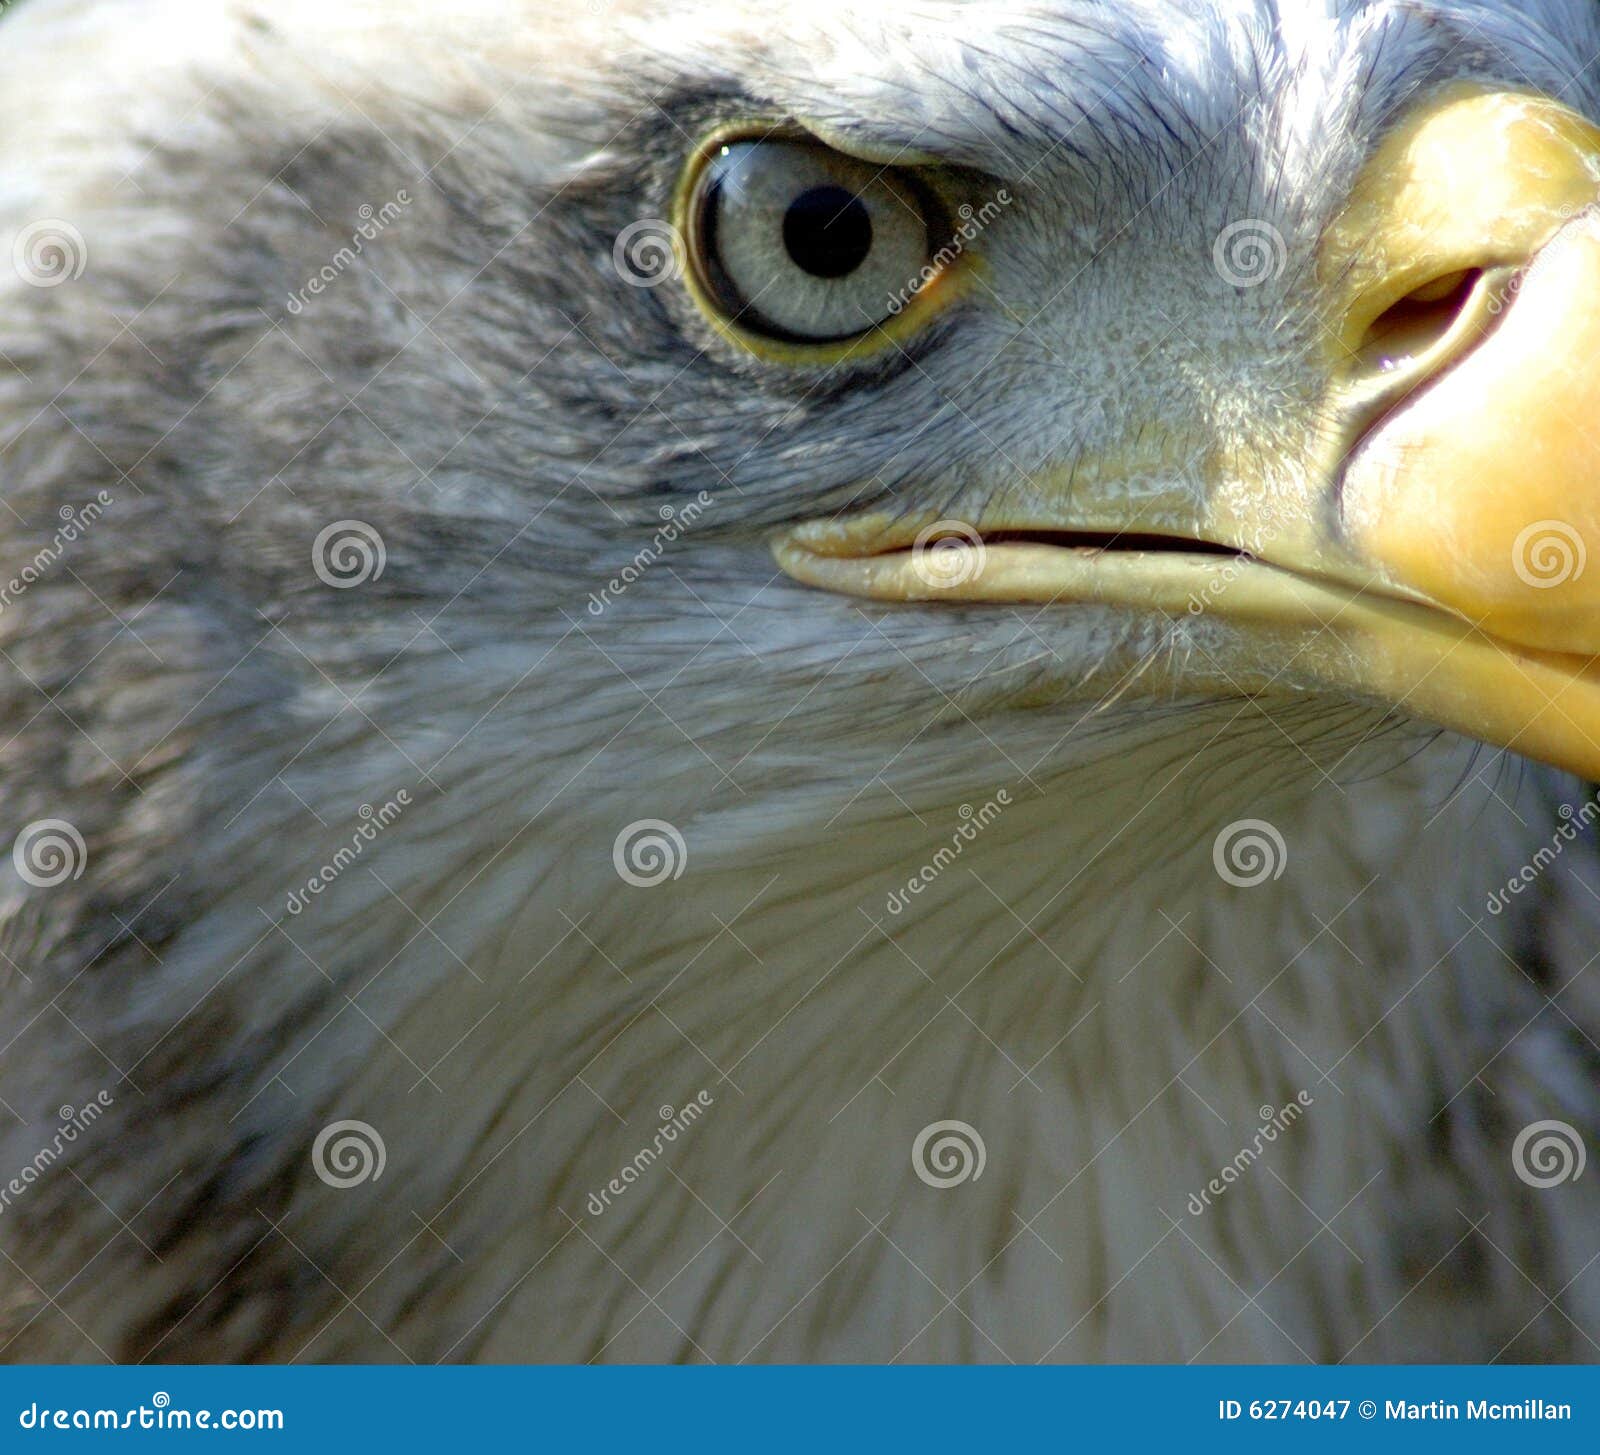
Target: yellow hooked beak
(1431,548)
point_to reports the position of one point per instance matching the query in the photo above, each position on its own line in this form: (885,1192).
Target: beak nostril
(1421,321)
(1416,340)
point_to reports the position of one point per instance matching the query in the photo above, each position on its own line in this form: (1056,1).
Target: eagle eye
(795,242)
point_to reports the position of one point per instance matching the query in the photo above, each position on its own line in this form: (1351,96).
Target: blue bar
(823,1411)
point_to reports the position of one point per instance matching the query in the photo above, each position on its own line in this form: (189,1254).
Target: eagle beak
(1429,546)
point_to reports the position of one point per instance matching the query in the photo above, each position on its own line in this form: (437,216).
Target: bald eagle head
(860,682)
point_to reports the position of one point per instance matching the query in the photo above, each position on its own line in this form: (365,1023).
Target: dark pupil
(828,232)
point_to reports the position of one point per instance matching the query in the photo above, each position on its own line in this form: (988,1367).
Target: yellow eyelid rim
(946,287)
